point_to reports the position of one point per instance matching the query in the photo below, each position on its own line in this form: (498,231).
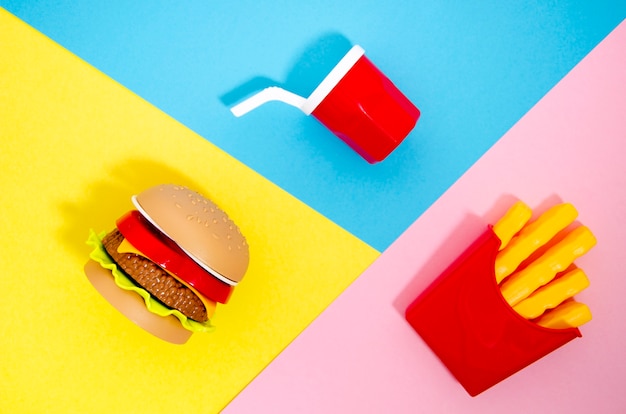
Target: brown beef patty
(155,280)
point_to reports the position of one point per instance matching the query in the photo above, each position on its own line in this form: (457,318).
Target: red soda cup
(357,102)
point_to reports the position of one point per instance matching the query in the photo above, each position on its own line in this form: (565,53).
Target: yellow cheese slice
(126,247)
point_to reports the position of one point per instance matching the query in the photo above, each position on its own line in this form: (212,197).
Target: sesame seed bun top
(199,227)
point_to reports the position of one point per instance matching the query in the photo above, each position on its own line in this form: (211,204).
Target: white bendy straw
(306,105)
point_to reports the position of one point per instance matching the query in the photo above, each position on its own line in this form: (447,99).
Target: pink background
(361,356)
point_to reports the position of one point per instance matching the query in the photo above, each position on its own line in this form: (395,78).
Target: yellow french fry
(570,314)
(532,237)
(553,294)
(512,222)
(542,270)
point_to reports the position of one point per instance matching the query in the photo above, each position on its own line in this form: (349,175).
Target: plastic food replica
(356,101)
(508,300)
(168,262)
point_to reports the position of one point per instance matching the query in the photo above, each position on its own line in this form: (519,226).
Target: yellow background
(75,146)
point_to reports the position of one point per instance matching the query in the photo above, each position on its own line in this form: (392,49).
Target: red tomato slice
(167,254)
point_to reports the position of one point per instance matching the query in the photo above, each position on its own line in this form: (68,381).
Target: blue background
(473,68)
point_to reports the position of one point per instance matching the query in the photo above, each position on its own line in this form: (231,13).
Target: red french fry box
(355,101)
(464,319)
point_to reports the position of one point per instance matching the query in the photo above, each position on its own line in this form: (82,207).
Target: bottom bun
(134,308)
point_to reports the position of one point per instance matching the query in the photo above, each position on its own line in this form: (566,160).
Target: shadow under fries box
(463,317)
